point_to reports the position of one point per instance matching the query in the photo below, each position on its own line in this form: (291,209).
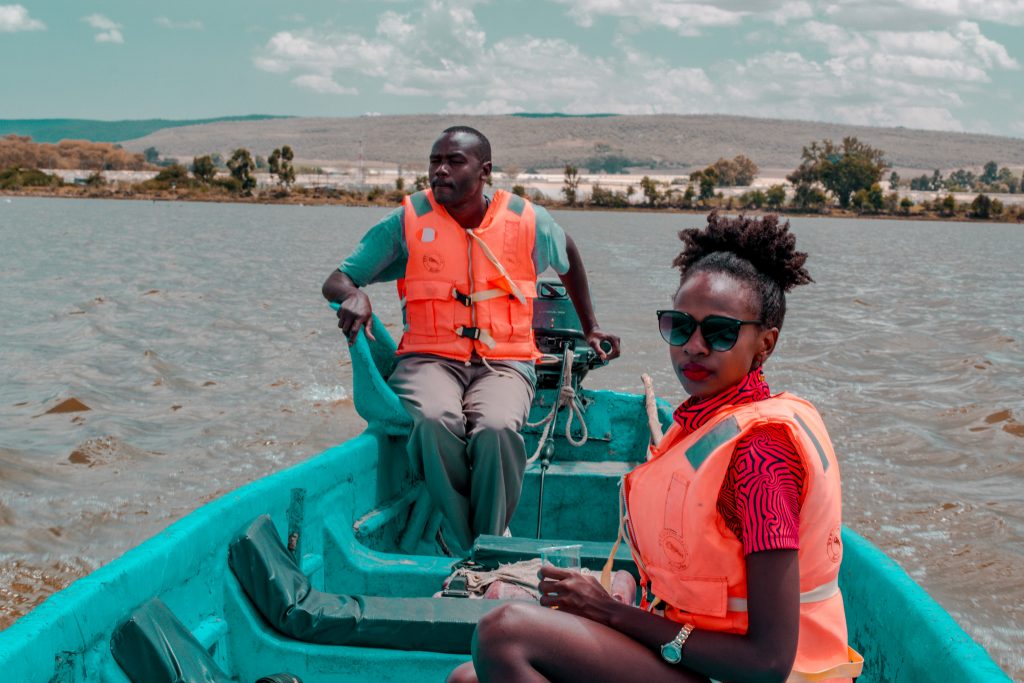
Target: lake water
(196,335)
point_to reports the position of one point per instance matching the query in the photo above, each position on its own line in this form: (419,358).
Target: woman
(734,522)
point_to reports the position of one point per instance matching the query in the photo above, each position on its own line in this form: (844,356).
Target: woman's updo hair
(759,251)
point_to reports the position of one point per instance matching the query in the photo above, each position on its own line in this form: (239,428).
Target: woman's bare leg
(464,673)
(523,642)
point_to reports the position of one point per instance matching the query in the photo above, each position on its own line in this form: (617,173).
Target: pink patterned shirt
(763,487)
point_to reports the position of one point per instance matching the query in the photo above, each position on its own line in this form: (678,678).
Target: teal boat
(326,570)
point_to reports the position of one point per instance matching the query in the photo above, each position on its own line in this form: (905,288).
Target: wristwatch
(672,651)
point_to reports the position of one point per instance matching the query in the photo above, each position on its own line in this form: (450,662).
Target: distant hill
(663,142)
(55,130)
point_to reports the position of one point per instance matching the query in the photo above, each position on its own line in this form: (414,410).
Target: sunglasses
(719,332)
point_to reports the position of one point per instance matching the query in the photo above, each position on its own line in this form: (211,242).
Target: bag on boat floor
(518,581)
(280,592)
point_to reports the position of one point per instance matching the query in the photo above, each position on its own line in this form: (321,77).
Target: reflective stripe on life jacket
(690,561)
(469,291)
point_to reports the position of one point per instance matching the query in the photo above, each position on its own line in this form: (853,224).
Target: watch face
(671,653)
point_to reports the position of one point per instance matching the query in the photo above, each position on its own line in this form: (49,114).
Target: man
(467,268)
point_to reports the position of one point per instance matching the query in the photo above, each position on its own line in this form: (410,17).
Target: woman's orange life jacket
(692,562)
(469,291)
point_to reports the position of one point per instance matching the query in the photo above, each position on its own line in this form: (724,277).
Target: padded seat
(153,646)
(282,594)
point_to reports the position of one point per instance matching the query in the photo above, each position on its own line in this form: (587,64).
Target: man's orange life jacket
(692,562)
(469,290)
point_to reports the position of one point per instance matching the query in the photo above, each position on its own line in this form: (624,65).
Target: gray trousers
(465,439)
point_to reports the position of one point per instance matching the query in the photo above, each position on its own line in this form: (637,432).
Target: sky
(934,64)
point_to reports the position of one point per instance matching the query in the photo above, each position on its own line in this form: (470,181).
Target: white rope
(513,287)
(566,397)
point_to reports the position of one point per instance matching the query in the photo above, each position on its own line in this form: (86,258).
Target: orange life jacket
(469,290)
(692,562)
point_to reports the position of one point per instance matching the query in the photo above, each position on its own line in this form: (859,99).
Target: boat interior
(327,570)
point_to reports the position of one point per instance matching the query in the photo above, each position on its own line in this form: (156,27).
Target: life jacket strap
(816,594)
(468,300)
(513,287)
(849,669)
(476,334)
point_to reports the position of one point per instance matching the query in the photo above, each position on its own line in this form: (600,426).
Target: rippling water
(196,336)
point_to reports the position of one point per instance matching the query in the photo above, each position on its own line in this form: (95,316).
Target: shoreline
(303,197)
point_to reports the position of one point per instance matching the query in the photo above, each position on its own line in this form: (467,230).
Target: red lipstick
(696,372)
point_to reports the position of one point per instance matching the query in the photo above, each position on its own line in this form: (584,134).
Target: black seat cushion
(284,596)
(153,646)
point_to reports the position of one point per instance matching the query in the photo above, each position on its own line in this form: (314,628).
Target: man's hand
(354,314)
(596,338)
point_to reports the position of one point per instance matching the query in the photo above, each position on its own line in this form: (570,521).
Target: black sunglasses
(719,332)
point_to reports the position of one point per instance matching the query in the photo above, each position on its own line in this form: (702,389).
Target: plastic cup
(564,556)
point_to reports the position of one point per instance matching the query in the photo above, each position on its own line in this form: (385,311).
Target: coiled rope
(566,397)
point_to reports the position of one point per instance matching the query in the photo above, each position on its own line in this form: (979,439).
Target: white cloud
(685,18)
(816,69)
(192,25)
(791,11)
(15,18)
(109,31)
(322,84)
(997,11)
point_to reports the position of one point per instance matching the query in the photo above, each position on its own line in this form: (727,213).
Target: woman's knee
(504,626)
(465,673)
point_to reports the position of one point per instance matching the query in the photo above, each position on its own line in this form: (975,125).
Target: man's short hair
(483,144)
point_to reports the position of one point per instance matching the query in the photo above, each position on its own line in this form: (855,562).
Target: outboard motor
(556,327)
(566,361)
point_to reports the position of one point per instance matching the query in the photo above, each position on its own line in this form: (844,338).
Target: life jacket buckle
(469,332)
(464,299)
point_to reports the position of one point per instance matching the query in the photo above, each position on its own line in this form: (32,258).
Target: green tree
(708,180)
(151,155)
(746,170)
(894,181)
(173,175)
(807,197)
(605,198)
(688,197)
(203,169)
(989,173)
(1007,178)
(519,190)
(280,164)
(652,195)
(775,196)
(981,207)
(754,199)
(571,185)
(905,204)
(841,169)
(961,180)
(936,181)
(947,206)
(241,167)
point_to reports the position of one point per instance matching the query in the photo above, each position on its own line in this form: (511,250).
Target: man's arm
(355,310)
(576,284)
(380,256)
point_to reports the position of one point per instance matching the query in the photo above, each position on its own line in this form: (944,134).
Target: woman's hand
(576,593)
